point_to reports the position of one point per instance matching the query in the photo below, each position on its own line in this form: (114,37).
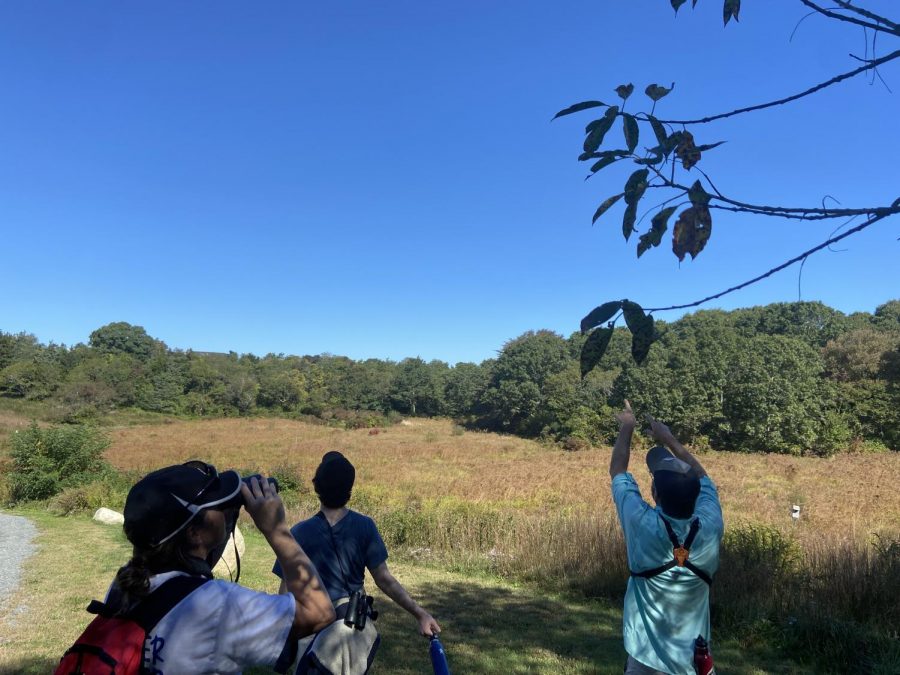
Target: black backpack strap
(160,602)
(150,611)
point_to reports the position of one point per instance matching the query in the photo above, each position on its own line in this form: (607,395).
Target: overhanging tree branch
(693,224)
(834,80)
(796,213)
(889,27)
(803,256)
(867,13)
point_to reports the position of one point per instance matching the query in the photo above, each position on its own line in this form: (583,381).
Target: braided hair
(133,580)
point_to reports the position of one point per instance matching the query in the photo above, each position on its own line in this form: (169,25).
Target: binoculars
(238,500)
(359,608)
(273,482)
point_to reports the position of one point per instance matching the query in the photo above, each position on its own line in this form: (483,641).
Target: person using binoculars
(179,519)
(343,544)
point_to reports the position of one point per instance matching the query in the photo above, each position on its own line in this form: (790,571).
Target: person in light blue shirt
(673,551)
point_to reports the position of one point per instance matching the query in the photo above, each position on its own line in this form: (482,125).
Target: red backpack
(114,644)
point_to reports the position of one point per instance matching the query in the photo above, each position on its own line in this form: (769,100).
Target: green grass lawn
(490,626)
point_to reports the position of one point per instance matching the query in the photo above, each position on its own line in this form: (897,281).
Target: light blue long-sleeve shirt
(665,614)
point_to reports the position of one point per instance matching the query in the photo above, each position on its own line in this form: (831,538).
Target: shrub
(290,478)
(757,562)
(575,444)
(45,461)
(109,490)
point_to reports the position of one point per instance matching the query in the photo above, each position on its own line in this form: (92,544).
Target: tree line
(789,378)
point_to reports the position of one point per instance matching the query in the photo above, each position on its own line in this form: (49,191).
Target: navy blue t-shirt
(357,542)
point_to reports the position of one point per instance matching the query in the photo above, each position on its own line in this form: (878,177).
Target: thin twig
(889,27)
(834,80)
(867,13)
(792,261)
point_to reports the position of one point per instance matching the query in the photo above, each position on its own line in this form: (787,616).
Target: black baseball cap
(163,502)
(677,485)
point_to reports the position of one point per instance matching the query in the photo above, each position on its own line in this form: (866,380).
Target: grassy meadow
(514,545)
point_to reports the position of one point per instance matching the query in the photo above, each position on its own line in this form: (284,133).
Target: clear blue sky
(383,180)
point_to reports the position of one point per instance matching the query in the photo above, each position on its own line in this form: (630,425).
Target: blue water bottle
(438,657)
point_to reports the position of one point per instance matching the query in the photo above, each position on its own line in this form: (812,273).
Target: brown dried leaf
(686,151)
(692,231)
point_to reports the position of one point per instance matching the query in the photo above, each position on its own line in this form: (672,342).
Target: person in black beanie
(343,543)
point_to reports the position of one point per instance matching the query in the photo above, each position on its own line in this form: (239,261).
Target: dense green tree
(857,355)
(772,398)
(105,380)
(31,379)
(280,386)
(121,337)
(7,349)
(164,382)
(464,387)
(418,387)
(887,316)
(517,394)
(812,322)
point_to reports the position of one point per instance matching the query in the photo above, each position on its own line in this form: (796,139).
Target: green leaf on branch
(595,137)
(658,129)
(642,339)
(594,348)
(578,107)
(630,127)
(628,220)
(600,314)
(635,186)
(709,146)
(658,226)
(697,195)
(671,142)
(655,91)
(641,327)
(692,231)
(655,158)
(607,158)
(624,90)
(633,313)
(604,207)
(730,9)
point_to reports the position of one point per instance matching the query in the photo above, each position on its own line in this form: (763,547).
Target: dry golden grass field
(533,516)
(849,495)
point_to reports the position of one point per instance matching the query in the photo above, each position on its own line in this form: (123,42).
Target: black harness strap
(692,533)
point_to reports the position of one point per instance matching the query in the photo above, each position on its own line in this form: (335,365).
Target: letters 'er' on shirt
(358,543)
(220,628)
(663,615)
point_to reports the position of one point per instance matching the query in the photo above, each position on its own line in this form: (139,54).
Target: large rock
(108,516)
(226,568)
